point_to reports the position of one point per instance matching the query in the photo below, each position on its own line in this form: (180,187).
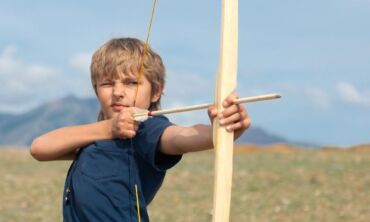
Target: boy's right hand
(123,124)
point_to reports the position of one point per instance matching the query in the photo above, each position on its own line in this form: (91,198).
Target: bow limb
(223,141)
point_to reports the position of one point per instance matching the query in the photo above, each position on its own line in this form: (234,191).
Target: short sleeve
(147,140)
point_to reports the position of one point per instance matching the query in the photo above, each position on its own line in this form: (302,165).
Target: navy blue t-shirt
(100,184)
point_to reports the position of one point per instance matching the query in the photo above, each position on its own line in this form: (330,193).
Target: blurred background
(315,53)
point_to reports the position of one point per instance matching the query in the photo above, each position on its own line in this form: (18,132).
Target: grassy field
(271,184)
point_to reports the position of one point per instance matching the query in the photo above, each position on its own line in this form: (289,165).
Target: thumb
(212,112)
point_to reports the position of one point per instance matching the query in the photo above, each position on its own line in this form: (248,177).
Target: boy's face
(117,94)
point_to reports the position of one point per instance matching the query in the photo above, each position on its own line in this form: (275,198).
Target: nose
(118,91)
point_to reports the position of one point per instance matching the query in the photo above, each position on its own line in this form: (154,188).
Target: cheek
(148,95)
(144,99)
(103,98)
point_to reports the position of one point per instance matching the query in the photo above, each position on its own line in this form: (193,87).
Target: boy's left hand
(234,116)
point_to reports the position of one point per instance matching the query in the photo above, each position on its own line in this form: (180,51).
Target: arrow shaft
(205,106)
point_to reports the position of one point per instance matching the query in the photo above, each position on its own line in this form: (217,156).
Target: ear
(157,95)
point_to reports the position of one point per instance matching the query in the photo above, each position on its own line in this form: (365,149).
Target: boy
(119,164)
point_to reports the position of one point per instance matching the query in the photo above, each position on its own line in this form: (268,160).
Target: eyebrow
(124,78)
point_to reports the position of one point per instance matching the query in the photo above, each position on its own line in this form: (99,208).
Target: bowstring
(145,51)
(141,71)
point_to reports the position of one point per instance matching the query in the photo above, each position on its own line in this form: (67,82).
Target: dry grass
(275,148)
(30,190)
(277,183)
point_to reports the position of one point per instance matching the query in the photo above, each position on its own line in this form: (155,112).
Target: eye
(132,82)
(106,83)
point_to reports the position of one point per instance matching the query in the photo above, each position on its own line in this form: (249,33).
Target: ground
(278,183)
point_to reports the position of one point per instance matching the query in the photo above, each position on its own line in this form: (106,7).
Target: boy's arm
(63,143)
(179,140)
(68,156)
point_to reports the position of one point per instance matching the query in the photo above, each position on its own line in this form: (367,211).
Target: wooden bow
(223,141)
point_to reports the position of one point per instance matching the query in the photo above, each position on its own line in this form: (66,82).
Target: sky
(315,53)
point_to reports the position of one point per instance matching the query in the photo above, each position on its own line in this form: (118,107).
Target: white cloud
(39,72)
(81,62)
(351,94)
(185,89)
(318,97)
(25,85)
(19,87)
(15,72)
(8,62)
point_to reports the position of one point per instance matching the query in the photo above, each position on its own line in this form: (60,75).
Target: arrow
(142,114)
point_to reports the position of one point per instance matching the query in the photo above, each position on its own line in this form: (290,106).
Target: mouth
(118,107)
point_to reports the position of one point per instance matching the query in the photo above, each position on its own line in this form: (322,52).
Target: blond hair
(124,55)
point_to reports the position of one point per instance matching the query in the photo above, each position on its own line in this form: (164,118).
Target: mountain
(257,135)
(20,130)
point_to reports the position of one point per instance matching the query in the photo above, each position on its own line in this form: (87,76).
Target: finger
(132,126)
(230,110)
(127,117)
(136,126)
(243,112)
(236,117)
(212,111)
(127,134)
(230,99)
(241,125)
(131,133)
(125,122)
(124,125)
(129,111)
